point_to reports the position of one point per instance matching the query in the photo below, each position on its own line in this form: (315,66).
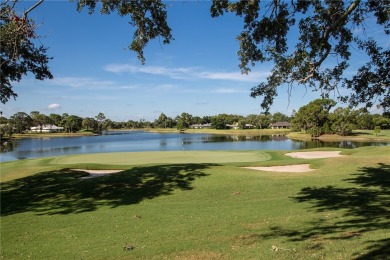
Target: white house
(280,125)
(236,126)
(47,129)
(200,126)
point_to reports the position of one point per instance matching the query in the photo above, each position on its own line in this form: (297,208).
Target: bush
(377,130)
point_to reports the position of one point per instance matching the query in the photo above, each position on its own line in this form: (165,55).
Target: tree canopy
(313,117)
(19,53)
(318,58)
(326,32)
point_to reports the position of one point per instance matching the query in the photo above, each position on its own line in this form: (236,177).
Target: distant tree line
(21,122)
(314,118)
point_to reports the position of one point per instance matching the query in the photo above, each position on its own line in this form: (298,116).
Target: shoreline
(247,132)
(50,135)
(359,135)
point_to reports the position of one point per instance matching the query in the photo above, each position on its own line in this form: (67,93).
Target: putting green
(136,158)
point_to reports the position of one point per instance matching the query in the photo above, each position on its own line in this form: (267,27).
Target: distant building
(249,126)
(280,125)
(236,126)
(200,126)
(47,129)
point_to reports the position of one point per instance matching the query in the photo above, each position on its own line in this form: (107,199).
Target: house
(249,126)
(280,125)
(235,126)
(47,129)
(200,126)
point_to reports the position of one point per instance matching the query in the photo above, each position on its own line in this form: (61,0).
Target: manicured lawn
(50,135)
(357,135)
(371,134)
(198,206)
(131,158)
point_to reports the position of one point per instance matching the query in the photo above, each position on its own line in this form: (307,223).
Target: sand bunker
(315,155)
(96,173)
(299,167)
(287,168)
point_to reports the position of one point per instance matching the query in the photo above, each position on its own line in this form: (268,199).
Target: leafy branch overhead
(148,17)
(308,42)
(19,53)
(326,33)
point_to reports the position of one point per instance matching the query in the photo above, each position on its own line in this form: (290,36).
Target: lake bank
(358,135)
(248,132)
(52,135)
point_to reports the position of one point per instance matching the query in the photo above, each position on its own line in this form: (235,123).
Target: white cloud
(88,83)
(54,106)
(164,87)
(229,91)
(78,82)
(202,103)
(235,76)
(127,87)
(154,70)
(188,73)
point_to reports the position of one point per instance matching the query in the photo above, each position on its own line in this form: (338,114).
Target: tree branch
(326,34)
(307,77)
(32,8)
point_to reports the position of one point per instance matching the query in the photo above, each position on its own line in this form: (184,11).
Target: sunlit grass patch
(138,158)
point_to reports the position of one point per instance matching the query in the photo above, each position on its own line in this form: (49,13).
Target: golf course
(197,205)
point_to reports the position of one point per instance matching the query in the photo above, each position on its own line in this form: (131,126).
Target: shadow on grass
(63,192)
(362,208)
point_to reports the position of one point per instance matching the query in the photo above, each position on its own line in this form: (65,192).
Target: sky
(197,73)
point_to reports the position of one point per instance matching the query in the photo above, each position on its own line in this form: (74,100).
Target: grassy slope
(202,210)
(49,135)
(358,135)
(122,160)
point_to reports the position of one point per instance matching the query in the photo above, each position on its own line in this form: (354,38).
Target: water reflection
(186,141)
(243,138)
(163,143)
(340,144)
(121,141)
(8,146)
(45,152)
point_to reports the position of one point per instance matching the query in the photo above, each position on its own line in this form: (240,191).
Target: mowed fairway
(200,206)
(138,158)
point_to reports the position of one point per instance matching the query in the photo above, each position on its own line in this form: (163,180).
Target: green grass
(50,135)
(197,207)
(122,160)
(384,134)
(132,158)
(357,135)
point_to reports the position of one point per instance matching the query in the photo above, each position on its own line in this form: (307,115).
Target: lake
(136,141)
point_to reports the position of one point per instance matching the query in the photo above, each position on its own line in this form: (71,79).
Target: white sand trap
(96,173)
(315,155)
(287,168)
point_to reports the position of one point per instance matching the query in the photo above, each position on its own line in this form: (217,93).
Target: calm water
(142,141)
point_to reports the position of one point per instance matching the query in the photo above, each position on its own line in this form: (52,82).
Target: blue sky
(93,72)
